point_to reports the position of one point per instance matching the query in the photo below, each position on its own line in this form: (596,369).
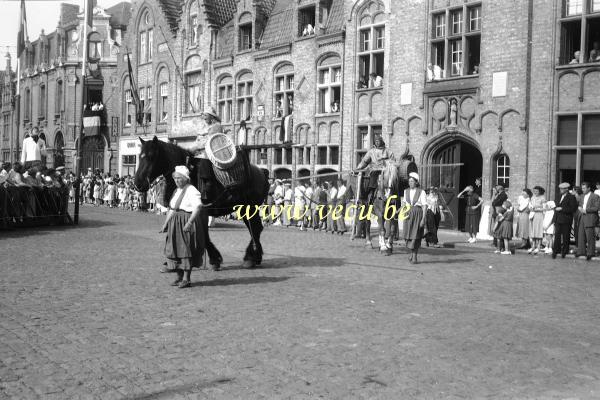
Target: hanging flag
(135,97)
(285,133)
(22,35)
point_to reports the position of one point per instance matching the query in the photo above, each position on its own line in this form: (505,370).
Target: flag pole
(14,143)
(79,142)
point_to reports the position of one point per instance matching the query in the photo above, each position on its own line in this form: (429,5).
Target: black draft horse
(160,158)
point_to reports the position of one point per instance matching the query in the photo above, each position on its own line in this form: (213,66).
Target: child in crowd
(98,191)
(549,226)
(503,230)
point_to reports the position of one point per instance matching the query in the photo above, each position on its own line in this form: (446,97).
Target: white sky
(41,14)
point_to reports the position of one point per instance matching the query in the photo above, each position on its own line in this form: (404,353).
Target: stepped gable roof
(220,12)
(172,10)
(335,22)
(119,14)
(279,30)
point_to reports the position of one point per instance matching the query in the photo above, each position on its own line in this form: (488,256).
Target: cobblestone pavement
(84,313)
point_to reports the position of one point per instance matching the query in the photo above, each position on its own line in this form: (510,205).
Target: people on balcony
(595,52)
(375,80)
(576,57)
(308,30)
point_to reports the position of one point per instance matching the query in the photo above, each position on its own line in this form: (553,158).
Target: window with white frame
(502,170)
(328,155)
(148,107)
(163,105)
(306,21)
(58,100)
(284,91)
(27,105)
(245,37)
(329,85)
(580,32)
(193,104)
(225,99)
(128,110)
(244,96)
(371,47)
(366,135)
(456,41)
(43,102)
(146,39)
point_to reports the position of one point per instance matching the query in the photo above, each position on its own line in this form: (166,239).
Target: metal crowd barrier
(33,206)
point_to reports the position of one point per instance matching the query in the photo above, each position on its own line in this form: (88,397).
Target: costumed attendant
(184,246)
(413,226)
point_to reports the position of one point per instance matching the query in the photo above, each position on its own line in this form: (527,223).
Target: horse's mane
(173,148)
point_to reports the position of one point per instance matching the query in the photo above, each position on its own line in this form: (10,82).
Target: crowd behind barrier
(35,197)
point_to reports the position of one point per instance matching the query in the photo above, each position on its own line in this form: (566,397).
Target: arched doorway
(59,150)
(326,178)
(282,173)
(92,153)
(447,173)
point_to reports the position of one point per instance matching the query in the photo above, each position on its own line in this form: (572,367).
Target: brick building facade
(7,94)
(50,88)
(466,88)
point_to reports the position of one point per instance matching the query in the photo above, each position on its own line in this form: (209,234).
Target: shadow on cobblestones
(183,389)
(294,261)
(250,280)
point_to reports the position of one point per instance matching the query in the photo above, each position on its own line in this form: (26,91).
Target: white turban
(183,171)
(414,175)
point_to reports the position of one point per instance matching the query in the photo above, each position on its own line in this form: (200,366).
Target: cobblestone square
(85,314)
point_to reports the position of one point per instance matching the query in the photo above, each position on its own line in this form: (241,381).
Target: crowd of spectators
(100,189)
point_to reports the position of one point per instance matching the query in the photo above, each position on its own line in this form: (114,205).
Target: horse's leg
(249,256)
(214,256)
(256,227)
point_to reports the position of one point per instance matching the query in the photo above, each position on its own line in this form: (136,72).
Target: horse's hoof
(249,264)
(216,267)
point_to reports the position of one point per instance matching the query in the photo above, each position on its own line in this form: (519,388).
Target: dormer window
(245,37)
(306,21)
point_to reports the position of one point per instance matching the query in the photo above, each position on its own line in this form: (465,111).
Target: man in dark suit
(589,203)
(563,220)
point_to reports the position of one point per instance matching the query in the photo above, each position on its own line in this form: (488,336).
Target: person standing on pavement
(523,208)
(287,204)
(497,202)
(414,225)
(308,197)
(433,216)
(563,220)
(185,241)
(34,148)
(589,204)
(536,214)
(473,212)
(504,228)
(278,201)
(331,204)
(323,197)
(342,200)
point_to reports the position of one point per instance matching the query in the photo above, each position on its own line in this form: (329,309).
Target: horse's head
(152,164)
(389,179)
